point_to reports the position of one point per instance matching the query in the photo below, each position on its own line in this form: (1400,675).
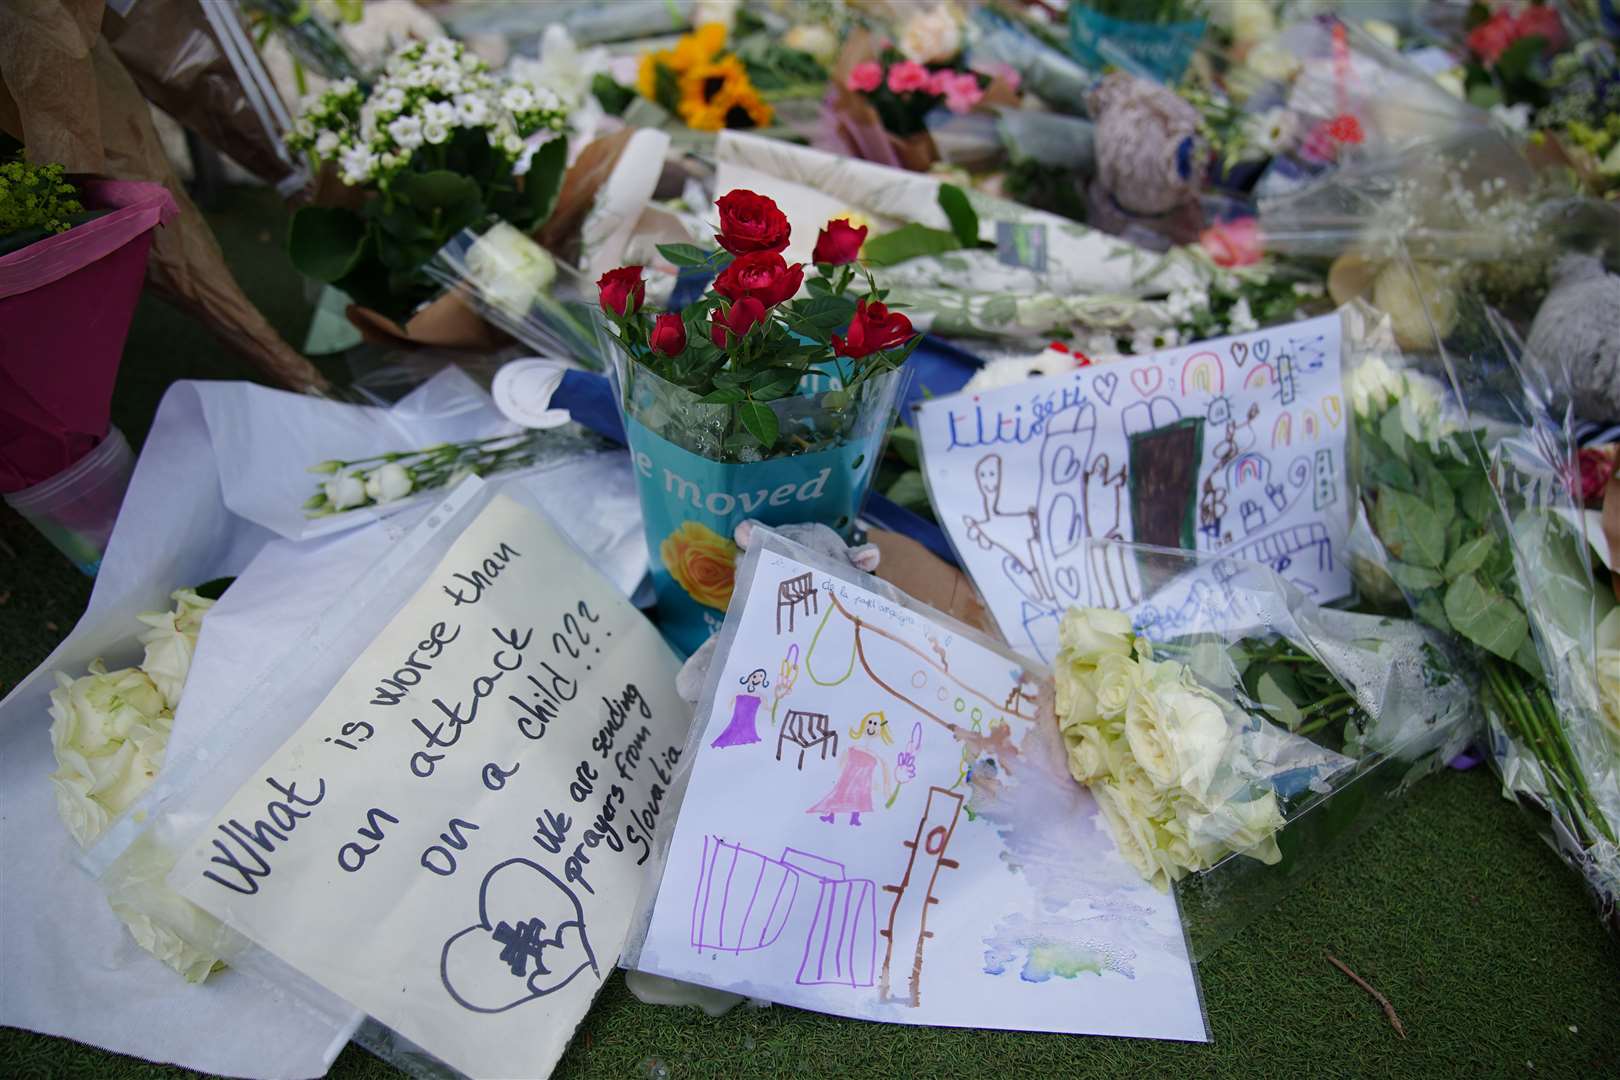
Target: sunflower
(720,95)
(698,47)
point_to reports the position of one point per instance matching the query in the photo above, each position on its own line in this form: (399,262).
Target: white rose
(819,41)
(90,714)
(1117,677)
(171,928)
(1248,827)
(1144,733)
(1194,728)
(343,492)
(1087,634)
(1370,386)
(389,482)
(168,655)
(932,36)
(1076,695)
(1128,835)
(84,817)
(509,270)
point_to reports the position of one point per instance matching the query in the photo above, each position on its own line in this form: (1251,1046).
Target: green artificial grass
(1451,905)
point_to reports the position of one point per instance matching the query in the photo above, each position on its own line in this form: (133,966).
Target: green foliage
(963,218)
(36,201)
(615,98)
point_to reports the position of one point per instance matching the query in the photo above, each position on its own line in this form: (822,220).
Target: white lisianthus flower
(510,270)
(931,36)
(1272,131)
(406,131)
(346,491)
(388,482)
(1088,634)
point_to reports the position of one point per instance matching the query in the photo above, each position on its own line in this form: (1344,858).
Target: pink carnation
(962,93)
(939,81)
(1233,243)
(908,75)
(865,77)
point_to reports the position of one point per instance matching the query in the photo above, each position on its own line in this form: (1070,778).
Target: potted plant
(437,144)
(72,260)
(749,403)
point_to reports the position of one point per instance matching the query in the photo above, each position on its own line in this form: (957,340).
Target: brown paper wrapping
(921,574)
(69,98)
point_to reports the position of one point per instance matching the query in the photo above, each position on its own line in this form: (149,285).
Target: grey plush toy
(1577,331)
(818,538)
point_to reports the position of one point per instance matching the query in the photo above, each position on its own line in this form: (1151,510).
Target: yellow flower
(719,95)
(702,562)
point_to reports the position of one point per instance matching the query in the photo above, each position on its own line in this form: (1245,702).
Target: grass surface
(1450,906)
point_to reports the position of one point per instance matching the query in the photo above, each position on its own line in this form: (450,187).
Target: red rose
(739,320)
(839,243)
(750,222)
(873,329)
(1595,465)
(668,334)
(1540,21)
(764,275)
(622,291)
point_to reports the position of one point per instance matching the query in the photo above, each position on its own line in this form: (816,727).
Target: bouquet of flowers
(748,402)
(110,734)
(704,84)
(1227,725)
(436,144)
(1474,510)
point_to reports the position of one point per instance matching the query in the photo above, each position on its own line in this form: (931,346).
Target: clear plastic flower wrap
(522,288)
(1236,734)
(1468,486)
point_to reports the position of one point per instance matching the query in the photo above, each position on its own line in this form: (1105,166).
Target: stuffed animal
(1576,334)
(1149,161)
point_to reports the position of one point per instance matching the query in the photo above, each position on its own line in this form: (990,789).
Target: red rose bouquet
(752,401)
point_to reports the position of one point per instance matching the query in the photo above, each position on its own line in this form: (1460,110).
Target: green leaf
(1469,557)
(964,221)
(908,242)
(1277,702)
(1486,617)
(760,420)
(724,395)
(1432,610)
(1410,529)
(439,189)
(685,254)
(1393,434)
(835,399)
(819,316)
(325,242)
(903,441)
(1415,579)
(909,490)
(543,181)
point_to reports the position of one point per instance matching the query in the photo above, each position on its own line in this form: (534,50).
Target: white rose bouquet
(110,733)
(1227,706)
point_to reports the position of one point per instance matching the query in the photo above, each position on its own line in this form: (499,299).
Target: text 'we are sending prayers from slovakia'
(530,677)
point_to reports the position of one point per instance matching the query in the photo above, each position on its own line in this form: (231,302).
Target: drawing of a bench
(795,593)
(807,731)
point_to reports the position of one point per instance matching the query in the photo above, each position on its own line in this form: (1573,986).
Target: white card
(1235,445)
(877,826)
(455,840)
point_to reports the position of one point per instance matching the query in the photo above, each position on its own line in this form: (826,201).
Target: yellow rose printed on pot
(1157,750)
(702,562)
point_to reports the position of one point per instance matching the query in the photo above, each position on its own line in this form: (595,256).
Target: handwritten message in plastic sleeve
(1235,445)
(455,840)
(880,823)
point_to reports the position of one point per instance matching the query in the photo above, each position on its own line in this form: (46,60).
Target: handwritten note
(877,825)
(1235,446)
(454,841)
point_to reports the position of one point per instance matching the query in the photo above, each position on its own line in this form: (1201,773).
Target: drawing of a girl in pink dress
(852,792)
